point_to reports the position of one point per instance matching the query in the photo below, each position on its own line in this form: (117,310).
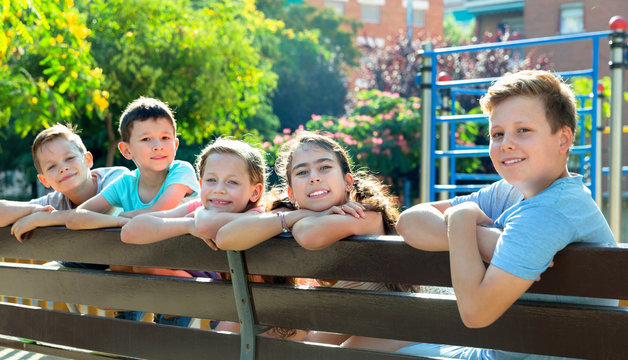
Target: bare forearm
(84,219)
(146,229)
(249,231)
(11,211)
(424,228)
(209,222)
(467,268)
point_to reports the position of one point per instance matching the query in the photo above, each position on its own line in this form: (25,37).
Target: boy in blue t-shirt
(148,131)
(519,223)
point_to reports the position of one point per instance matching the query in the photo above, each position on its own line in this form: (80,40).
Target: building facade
(384,18)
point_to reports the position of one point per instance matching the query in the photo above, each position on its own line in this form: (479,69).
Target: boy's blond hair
(142,109)
(557,97)
(67,132)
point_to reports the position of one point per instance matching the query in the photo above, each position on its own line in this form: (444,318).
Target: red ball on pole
(618,23)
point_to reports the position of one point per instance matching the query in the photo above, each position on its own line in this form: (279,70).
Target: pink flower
(376,150)
(316,117)
(287,131)
(266,145)
(378,141)
(278,140)
(416,105)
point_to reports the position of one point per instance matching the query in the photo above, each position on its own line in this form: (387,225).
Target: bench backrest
(543,328)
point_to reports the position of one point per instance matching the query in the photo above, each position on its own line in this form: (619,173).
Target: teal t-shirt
(123,192)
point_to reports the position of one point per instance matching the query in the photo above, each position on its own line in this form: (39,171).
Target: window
(370,13)
(571,18)
(337,6)
(418,18)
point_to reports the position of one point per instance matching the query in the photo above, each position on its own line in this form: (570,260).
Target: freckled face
(317,181)
(226,185)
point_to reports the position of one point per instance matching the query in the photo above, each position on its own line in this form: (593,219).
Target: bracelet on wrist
(284,227)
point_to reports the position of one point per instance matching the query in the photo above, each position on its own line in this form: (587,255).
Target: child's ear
(257,192)
(290,194)
(349,181)
(89,159)
(566,139)
(43,181)
(176,143)
(124,150)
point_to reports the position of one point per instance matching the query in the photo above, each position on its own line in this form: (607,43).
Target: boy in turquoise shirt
(148,131)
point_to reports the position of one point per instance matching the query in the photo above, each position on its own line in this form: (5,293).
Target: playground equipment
(438,89)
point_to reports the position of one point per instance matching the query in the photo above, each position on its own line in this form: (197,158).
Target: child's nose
(507,142)
(157,145)
(314,178)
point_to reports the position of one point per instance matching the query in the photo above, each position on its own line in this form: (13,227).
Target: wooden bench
(593,332)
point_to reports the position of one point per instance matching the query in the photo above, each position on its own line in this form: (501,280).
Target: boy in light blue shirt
(148,131)
(519,223)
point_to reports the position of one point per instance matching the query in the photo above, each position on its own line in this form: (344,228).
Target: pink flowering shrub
(382,134)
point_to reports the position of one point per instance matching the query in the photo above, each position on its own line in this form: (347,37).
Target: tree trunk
(113,141)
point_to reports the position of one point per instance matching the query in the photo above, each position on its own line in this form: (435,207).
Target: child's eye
(51,167)
(301,173)
(524,130)
(325,167)
(145,139)
(496,135)
(70,158)
(165,138)
(233,182)
(210,180)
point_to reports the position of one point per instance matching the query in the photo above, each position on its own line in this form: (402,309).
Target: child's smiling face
(523,148)
(226,184)
(317,181)
(152,145)
(64,167)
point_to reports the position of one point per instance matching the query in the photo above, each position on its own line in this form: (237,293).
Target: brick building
(383,18)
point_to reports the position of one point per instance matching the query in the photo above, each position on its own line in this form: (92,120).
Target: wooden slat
(585,331)
(273,349)
(103,246)
(126,338)
(579,270)
(201,298)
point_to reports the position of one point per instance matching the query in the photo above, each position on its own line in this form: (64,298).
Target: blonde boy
(535,211)
(148,131)
(63,164)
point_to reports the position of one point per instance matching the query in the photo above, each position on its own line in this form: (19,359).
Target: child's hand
(45,208)
(467,210)
(123,221)
(26,224)
(210,242)
(350,207)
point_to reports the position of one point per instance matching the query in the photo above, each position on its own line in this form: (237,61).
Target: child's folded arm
(483,295)
(208,222)
(11,211)
(148,228)
(423,227)
(38,219)
(248,231)
(91,215)
(318,232)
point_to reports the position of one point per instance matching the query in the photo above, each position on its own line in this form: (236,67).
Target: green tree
(311,58)
(48,74)
(202,58)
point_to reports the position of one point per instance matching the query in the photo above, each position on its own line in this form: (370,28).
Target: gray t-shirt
(104,176)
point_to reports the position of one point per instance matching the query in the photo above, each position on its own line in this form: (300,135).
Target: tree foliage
(200,58)
(48,74)
(310,60)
